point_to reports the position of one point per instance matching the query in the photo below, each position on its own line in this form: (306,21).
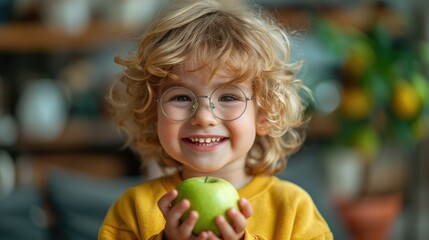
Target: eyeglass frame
(211,106)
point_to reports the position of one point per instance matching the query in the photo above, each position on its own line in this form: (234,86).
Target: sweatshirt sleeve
(309,223)
(249,236)
(107,232)
(119,221)
(157,236)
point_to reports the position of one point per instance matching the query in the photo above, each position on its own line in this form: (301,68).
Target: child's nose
(203,115)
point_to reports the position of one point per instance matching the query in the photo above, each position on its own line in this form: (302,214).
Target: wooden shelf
(93,136)
(358,17)
(33,37)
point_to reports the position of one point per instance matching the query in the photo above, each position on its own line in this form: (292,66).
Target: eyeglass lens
(226,103)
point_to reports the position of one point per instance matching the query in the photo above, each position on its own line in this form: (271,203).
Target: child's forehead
(204,74)
(204,77)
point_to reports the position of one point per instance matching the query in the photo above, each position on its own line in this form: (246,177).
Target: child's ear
(262,126)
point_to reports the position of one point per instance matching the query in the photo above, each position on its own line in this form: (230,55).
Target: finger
(209,235)
(245,208)
(225,228)
(213,237)
(176,212)
(187,226)
(238,220)
(164,202)
(204,235)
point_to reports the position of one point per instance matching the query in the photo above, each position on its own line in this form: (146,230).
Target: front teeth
(205,140)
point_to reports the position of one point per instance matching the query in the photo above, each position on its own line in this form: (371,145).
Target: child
(210,92)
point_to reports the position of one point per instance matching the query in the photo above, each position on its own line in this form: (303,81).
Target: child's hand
(238,225)
(174,229)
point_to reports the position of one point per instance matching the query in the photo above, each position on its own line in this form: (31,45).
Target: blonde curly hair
(251,45)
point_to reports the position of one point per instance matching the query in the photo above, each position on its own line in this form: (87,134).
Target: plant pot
(370,217)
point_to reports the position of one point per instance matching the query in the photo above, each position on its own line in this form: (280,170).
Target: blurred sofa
(72,207)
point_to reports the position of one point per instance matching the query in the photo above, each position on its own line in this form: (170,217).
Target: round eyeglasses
(227,103)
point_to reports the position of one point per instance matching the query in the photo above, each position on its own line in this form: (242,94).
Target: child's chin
(205,169)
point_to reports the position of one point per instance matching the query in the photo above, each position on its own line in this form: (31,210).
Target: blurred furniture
(77,205)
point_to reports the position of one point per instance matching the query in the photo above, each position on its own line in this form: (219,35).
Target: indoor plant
(382,116)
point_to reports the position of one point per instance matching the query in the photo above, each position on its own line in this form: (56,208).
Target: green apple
(210,197)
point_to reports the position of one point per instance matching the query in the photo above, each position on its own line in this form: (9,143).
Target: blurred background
(365,161)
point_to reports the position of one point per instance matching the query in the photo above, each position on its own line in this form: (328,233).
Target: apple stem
(205,180)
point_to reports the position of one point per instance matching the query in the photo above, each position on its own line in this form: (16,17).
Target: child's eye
(228,98)
(180,98)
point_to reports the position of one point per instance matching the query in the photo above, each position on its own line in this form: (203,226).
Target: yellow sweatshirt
(282,210)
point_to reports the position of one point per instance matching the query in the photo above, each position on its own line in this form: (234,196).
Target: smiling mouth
(205,141)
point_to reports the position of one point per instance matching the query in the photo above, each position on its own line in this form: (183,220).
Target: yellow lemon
(360,57)
(405,100)
(355,103)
